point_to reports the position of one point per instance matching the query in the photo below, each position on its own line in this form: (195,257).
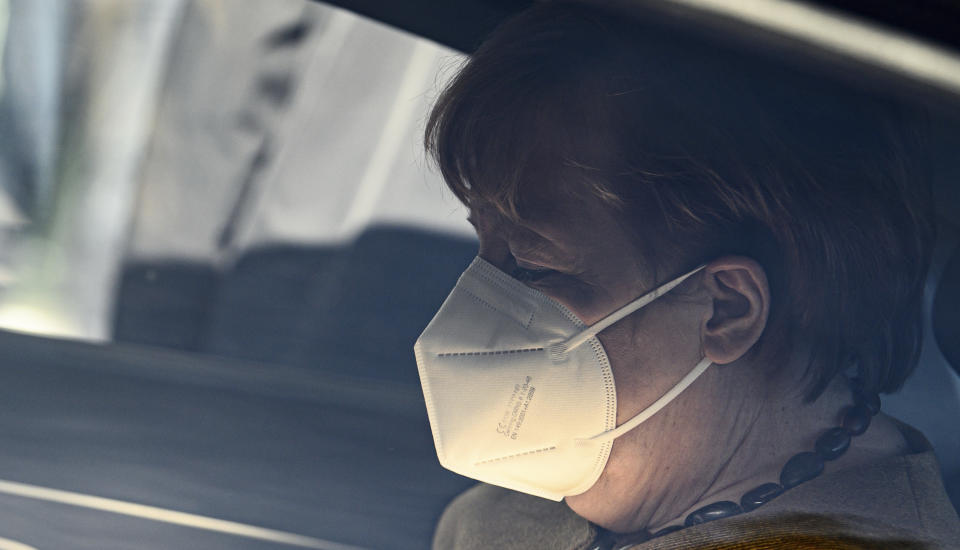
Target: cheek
(630,364)
(649,353)
(573,294)
(589,302)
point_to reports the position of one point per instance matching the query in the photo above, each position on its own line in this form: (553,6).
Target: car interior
(221,238)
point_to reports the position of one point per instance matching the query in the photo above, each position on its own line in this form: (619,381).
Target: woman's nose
(501,242)
(494,234)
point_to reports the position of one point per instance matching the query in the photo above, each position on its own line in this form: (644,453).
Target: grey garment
(486,517)
(897,502)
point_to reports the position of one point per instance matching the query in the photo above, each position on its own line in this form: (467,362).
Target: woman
(697,269)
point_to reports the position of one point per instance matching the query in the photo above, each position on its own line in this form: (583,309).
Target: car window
(232,202)
(219,239)
(173,142)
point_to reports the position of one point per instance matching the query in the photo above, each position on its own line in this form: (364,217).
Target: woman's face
(574,250)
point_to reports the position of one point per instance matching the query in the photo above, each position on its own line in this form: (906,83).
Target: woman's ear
(741,303)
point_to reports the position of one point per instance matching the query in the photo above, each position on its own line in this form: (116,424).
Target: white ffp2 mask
(519,391)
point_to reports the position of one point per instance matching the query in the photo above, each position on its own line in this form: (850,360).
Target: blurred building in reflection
(82,80)
(153,147)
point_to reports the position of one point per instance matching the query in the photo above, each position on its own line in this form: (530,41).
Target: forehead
(544,192)
(559,209)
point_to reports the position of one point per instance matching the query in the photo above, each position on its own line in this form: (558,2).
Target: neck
(782,427)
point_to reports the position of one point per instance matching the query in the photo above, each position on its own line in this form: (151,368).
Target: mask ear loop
(653,409)
(558,350)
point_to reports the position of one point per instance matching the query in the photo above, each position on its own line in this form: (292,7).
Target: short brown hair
(708,150)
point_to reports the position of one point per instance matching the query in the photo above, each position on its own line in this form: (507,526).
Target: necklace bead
(758,496)
(711,512)
(856,419)
(833,443)
(869,400)
(802,467)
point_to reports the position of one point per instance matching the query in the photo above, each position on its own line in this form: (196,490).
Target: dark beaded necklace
(800,468)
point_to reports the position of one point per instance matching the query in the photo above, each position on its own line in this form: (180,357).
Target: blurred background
(237,181)
(218,222)
(219,239)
